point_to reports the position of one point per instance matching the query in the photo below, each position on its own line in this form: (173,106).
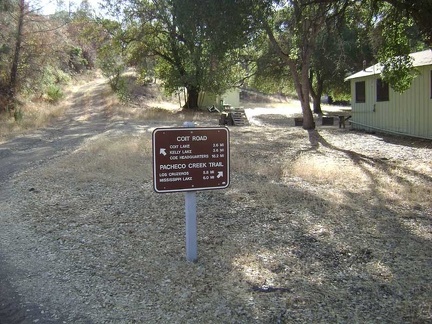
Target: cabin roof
(420,59)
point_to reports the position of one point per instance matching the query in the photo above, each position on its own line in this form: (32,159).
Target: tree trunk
(316,93)
(308,120)
(301,83)
(15,62)
(316,102)
(301,80)
(192,98)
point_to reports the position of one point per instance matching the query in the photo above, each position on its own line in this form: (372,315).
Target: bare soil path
(85,117)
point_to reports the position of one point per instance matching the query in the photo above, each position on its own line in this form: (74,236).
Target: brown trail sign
(190,159)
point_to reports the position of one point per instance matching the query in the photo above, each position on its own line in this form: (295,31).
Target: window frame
(382,90)
(360,96)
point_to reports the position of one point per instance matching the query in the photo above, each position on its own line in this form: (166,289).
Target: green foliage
(112,65)
(398,69)
(37,51)
(5,5)
(340,49)
(51,81)
(53,75)
(77,62)
(185,43)
(213,45)
(399,72)
(419,11)
(122,90)
(13,108)
(54,93)
(272,75)
(111,55)
(18,115)
(4,64)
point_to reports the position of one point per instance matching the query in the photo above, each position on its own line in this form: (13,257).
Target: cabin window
(360,91)
(382,90)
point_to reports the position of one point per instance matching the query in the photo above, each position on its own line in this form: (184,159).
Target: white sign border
(190,129)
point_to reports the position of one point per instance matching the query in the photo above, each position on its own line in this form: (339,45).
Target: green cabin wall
(409,113)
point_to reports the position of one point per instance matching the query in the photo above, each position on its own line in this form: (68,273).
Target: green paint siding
(408,113)
(231,97)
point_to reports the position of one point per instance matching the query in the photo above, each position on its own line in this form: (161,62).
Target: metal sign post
(191,226)
(190,159)
(191,220)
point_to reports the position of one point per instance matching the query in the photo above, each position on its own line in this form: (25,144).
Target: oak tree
(293,30)
(197,43)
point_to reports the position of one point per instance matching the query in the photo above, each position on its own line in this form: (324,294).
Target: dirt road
(85,117)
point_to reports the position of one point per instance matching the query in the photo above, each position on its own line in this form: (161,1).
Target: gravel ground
(85,239)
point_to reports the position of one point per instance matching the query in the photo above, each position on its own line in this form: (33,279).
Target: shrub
(18,115)
(54,93)
(122,90)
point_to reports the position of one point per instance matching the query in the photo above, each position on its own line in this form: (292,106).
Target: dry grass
(317,168)
(337,234)
(144,113)
(35,115)
(110,160)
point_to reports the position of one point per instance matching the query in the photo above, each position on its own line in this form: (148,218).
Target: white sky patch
(49,7)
